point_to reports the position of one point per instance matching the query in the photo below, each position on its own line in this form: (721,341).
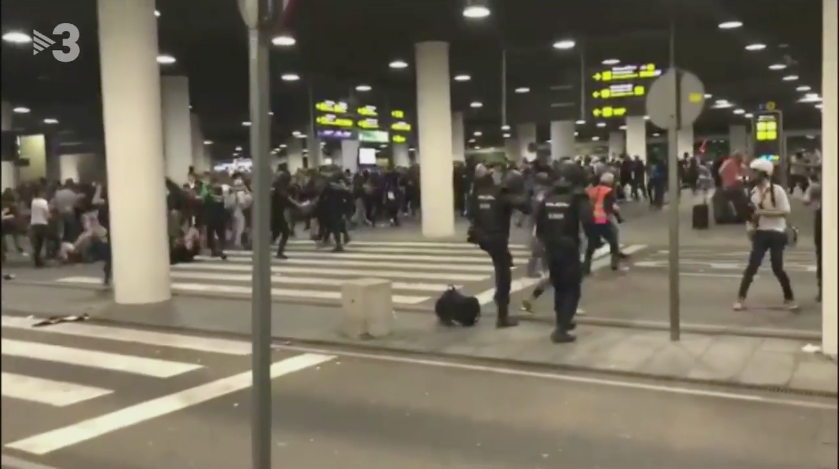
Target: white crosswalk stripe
(33,354)
(419,271)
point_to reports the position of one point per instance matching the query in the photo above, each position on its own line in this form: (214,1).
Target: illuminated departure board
(400,128)
(333,120)
(619,91)
(768,136)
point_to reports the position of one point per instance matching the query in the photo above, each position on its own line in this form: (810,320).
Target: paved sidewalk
(721,359)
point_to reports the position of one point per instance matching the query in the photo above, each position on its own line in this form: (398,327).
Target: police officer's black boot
(504,320)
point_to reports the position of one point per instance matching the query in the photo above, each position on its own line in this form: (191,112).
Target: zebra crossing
(101,379)
(701,262)
(420,271)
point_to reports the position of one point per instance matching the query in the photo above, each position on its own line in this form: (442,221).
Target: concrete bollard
(368,308)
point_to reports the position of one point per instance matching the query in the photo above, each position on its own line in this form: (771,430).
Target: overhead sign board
(400,128)
(608,112)
(367,111)
(373,136)
(768,135)
(627,73)
(333,107)
(620,90)
(332,120)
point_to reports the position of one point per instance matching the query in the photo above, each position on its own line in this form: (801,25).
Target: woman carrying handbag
(768,230)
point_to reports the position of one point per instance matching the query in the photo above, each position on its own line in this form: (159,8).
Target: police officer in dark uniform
(491,207)
(561,216)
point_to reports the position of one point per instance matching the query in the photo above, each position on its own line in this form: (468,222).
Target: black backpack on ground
(456,309)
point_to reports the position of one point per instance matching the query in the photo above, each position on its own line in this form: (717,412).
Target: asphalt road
(333,409)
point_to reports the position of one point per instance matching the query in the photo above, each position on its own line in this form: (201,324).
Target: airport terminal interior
(404,234)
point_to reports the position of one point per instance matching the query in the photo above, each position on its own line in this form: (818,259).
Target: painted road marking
(698,263)
(458,251)
(337,261)
(408,244)
(311,281)
(92,428)
(136,336)
(47,391)
(452,259)
(95,359)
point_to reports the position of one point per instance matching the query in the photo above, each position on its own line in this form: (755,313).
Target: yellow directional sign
(398,138)
(331,120)
(397,114)
(627,72)
(767,129)
(771,106)
(609,112)
(367,111)
(400,126)
(625,90)
(334,107)
(368,124)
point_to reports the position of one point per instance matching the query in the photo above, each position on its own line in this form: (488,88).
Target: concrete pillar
(295,155)
(738,138)
(636,137)
(617,143)
(685,142)
(562,139)
(434,118)
(68,167)
(131,112)
(349,154)
(829,168)
(8,170)
(400,155)
(177,132)
(458,137)
(511,147)
(199,157)
(525,135)
(315,153)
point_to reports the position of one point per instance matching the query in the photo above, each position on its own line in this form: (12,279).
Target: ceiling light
(623,127)
(246,123)
(166,59)
(803,88)
(656,134)
(238,148)
(477,147)
(476,104)
(478,133)
(399,64)
(505,127)
(601,124)
(791,78)
(290,77)
(462,77)
(274,152)
(749,115)
(17,37)
(302,136)
(731,25)
(522,90)
(208,142)
(646,118)
(819,106)
(363,88)
(472,140)
(580,122)
(708,96)
(157,13)
(270,113)
(476,12)
(283,40)
(507,135)
(611,62)
(21,110)
(755,47)
(576,134)
(50,121)
(564,44)
(739,111)
(283,145)
(595,139)
(723,105)
(777,66)
(811,98)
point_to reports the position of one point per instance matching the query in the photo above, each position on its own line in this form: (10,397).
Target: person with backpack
(768,229)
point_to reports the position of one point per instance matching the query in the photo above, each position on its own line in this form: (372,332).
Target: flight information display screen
(400,128)
(334,121)
(619,91)
(768,135)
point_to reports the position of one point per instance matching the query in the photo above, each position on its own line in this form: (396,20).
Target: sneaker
(792,306)
(527,306)
(739,306)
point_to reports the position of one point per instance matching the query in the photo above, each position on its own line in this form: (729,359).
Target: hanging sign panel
(768,135)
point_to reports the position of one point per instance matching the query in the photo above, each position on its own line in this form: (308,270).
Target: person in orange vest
(603,200)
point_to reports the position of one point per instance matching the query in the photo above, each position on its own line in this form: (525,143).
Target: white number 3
(70,44)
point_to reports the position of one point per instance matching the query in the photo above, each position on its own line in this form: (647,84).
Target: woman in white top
(768,230)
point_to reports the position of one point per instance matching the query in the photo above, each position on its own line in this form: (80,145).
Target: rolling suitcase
(701,216)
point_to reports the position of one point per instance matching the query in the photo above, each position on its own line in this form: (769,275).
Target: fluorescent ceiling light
(238,148)
(564,44)
(302,136)
(208,142)
(478,133)
(656,134)
(755,47)
(476,104)
(819,106)
(290,77)
(731,25)
(476,12)
(472,140)
(611,62)
(283,145)
(462,77)
(739,111)
(17,37)
(523,90)
(50,121)
(246,123)
(708,96)
(507,135)
(165,59)
(283,40)
(399,64)
(157,13)
(623,127)
(505,127)
(791,78)
(777,66)
(580,122)
(270,113)
(601,124)
(21,110)
(723,105)
(363,88)
(576,134)
(811,98)
(595,139)
(721,101)
(803,88)
(748,115)
(646,118)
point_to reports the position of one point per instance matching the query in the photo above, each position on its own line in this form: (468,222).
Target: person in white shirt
(39,225)
(767,228)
